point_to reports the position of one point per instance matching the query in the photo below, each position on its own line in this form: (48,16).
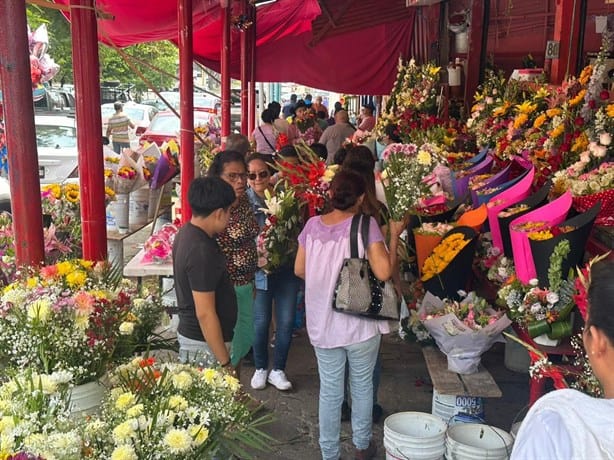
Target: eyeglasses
(235,177)
(260,175)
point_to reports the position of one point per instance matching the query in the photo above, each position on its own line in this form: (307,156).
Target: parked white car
(56,141)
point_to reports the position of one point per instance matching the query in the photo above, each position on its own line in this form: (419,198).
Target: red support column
(20,134)
(89,128)
(186,104)
(245,58)
(225,69)
(252,123)
(566,31)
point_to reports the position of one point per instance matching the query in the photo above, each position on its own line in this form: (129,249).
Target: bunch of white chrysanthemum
(169,410)
(34,417)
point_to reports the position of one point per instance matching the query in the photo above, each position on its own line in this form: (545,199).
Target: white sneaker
(259,379)
(278,379)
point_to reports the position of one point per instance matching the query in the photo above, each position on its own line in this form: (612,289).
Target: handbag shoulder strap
(265,138)
(364,232)
(354,236)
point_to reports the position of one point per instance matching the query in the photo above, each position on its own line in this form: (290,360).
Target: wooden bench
(481,384)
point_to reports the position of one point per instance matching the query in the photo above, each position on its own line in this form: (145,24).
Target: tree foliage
(113,67)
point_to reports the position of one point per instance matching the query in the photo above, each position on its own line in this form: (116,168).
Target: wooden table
(135,268)
(481,384)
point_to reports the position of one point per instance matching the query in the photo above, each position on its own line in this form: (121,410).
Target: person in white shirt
(568,424)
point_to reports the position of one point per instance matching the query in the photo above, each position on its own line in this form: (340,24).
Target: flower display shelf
(534,201)
(541,250)
(456,274)
(85,399)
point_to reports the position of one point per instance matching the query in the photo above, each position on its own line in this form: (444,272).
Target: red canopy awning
(352,47)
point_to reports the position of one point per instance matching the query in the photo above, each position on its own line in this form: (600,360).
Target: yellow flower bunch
(610,110)
(579,98)
(541,235)
(502,110)
(553,112)
(526,107)
(71,192)
(580,144)
(586,74)
(54,190)
(442,255)
(520,120)
(540,120)
(557,131)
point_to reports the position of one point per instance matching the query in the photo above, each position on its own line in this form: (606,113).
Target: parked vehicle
(56,141)
(165,125)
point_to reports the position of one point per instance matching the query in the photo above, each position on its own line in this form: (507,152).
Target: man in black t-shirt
(205,295)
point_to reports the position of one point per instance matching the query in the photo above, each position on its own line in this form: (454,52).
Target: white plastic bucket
(85,399)
(139,206)
(461,42)
(458,408)
(516,357)
(120,211)
(474,441)
(414,435)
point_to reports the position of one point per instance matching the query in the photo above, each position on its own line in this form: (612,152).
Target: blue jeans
(331,367)
(282,287)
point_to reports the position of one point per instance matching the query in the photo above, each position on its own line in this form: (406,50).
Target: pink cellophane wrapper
(553,213)
(461,184)
(493,181)
(509,197)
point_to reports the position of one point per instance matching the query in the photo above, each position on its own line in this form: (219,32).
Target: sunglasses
(260,175)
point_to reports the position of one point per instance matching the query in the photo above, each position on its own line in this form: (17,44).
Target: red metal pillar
(225,69)
(186,104)
(251,116)
(89,128)
(245,68)
(20,134)
(476,55)
(566,32)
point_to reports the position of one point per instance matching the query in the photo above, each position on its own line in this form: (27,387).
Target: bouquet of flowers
(35,417)
(308,129)
(168,410)
(63,317)
(588,188)
(167,166)
(462,330)
(543,310)
(277,242)
(158,248)
(579,372)
(62,203)
(426,237)
(140,330)
(407,176)
(309,179)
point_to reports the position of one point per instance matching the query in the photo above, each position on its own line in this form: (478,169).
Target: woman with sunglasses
(280,287)
(238,243)
(566,424)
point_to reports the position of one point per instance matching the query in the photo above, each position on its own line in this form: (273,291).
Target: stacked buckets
(421,436)
(474,441)
(414,435)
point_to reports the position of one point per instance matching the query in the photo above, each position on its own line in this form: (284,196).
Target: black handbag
(358,291)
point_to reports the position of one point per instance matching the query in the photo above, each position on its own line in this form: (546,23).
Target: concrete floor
(405,386)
